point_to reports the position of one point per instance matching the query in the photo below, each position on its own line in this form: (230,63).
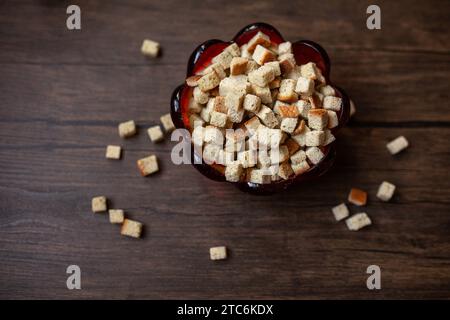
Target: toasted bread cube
(251,66)
(233,171)
(288,124)
(199,96)
(234,105)
(208,81)
(358,221)
(292,146)
(303,108)
(155,133)
(194,106)
(260,176)
(198,136)
(247,158)
(287,93)
(267,117)
(252,124)
(219,104)
(308,71)
(288,111)
(314,154)
(205,114)
(298,157)
(317,119)
(167,122)
(352,108)
(244,51)
(327,90)
(333,121)
(99,204)
(357,197)
(113,152)
(275,65)
(150,48)
(285,170)
(386,191)
(340,212)
(269,138)
(329,137)
(218,253)
(252,103)
(278,155)
(195,121)
(211,153)
(116,216)
(258,39)
(217,68)
(192,81)
(315,138)
(233,49)
(263,93)
(238,65)
(332,103)
(131,228)
(300,168)
(262,55)
(262,76)
(315,101)
(397,145)
(236,84)
(304,86)
(284,47)
(148,165)
(213,135)
(127,129)
(300,127)
(300,138)
(287,65)
(275,83)
(224,58)
(218,119)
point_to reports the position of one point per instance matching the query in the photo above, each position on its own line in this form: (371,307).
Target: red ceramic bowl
(304,51)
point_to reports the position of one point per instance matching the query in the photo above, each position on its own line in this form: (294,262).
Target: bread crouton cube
(224,58)
(155,133)
(218,119)
(287,93)
(329,137)
(262,76)
(287,65)
(236,84)
(263,93)
(148,165)
(217,68)
(304,86)
(300,138)
(292,146)
(317,119)
(150,48)
(269,138)
(288,124)
(267,117)
(199,96)
(195,121)
(244,51)
(116,216)
(333,121)
(357,197)
(275,83)
(327,90)
(194,106)
(247,158)
(131,228)
(284,47)
(315,138)
(238,65)
(252,124)
(235,111)
(315,100)
(278,155)
(99,204)
(340,212)
(167,122)
(385,191)
(213,135)
(358,221)
(308,71)
(233,171)
(260,176)
(397,145)
(275,65)
(303,108)
(314,154)
(300,127)
(285,170)
(332,103)
(192,81)
(127,129)
(258,39)
(252,103)
(262,55)
(211,153)
(298,157)
(113,152)
(233,49)
(300,168)
(288,111)
(251,66)
(208,81)
(219,104)
(218,253)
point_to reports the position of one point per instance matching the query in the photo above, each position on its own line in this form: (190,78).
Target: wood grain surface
(64,92)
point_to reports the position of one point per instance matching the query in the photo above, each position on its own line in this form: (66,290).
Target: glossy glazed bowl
(304,51)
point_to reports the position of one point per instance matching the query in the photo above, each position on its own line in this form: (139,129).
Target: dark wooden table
(64,92)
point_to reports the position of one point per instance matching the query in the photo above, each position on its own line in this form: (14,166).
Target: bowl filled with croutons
(260,112)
